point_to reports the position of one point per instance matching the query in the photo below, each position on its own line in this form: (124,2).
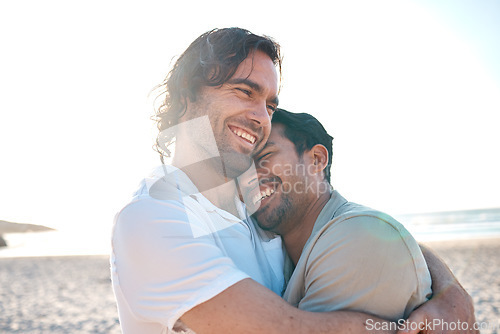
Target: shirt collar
(174,177)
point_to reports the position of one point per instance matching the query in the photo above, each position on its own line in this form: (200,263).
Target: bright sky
(409,89)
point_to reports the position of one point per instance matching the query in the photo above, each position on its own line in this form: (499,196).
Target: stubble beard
(232,163)
(235,163)
(273,220)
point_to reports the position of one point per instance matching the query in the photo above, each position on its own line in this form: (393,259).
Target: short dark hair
(304,131)
(210,60)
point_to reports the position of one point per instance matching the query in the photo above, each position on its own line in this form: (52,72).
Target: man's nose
(260,115)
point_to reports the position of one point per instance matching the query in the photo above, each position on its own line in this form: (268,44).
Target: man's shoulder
(363,231)
(356,215)
(155,196)
(354,225)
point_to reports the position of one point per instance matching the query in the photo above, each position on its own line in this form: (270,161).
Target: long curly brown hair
(210,60)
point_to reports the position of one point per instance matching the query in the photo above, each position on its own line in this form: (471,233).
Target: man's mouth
(244,134)
(270,187)
(262,195)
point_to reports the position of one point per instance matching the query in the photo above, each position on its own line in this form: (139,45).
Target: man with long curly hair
(185,255)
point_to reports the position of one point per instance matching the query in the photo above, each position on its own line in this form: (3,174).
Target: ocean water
(56,243)
(453,225)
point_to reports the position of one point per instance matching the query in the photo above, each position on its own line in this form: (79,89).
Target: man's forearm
(248,307)
(441,275)
(449,303)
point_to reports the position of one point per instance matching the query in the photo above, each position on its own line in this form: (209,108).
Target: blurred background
(409,89)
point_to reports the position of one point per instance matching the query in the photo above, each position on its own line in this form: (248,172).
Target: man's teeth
(263,194)
(245,135)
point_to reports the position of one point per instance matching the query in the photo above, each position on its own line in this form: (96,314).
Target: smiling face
(285,184)
(239,112)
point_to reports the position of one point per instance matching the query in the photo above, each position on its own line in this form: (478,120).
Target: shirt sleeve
(161,269)
(365,264)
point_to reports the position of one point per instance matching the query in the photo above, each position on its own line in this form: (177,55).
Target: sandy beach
(66,294)
(73,294)
(476,263)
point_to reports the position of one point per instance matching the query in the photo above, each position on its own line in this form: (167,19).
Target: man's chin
(265,224)
(274,218)
(235,164)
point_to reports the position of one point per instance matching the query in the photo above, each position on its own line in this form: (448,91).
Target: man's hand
(451,309)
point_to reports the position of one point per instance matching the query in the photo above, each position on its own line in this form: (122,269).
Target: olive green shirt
(358,259)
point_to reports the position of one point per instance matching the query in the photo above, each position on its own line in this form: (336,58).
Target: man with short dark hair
(343,256)
(186,256)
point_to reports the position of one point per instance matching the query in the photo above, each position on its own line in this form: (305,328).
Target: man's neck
(209,178)
(296,238)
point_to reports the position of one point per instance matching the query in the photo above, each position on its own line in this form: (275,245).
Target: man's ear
(319,154)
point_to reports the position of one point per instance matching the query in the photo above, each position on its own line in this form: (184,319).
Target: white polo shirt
(173,250)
